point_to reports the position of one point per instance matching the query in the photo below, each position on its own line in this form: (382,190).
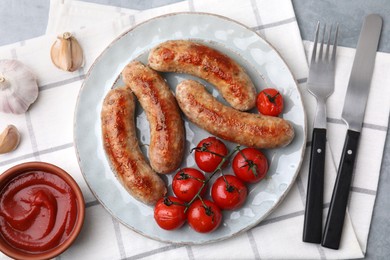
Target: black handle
(336,214)
(312,228)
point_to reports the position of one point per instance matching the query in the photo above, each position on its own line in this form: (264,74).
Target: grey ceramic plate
(266,69)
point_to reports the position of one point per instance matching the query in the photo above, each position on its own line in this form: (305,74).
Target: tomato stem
(185,176)
(219,168)
(204,148)
(208,210)
(249,163)
(169,202)
(271,98)
(229,187)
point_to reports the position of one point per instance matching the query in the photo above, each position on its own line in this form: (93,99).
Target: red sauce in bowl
(38,211)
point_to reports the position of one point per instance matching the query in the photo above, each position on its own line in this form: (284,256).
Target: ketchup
(38,211)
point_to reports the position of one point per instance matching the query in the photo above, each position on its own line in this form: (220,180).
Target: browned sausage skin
(202,61)
(121,146)
(248,129)
(167,135)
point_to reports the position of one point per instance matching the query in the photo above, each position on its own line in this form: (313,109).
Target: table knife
(352,115)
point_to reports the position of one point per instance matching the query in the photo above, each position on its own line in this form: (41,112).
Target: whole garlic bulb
(66,53)
(18,87)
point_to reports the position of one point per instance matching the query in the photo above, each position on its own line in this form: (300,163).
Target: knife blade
(353,115)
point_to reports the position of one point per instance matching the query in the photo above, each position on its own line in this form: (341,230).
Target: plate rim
(279,200)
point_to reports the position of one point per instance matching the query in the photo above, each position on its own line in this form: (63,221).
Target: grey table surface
(25,19)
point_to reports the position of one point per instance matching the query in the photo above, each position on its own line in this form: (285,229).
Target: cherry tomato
(269,102)
(204,218)
(187,182)
(209,153)
(250,165)
(169,213)
(229,192)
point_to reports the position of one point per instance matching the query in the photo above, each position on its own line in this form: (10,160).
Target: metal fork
(320,84)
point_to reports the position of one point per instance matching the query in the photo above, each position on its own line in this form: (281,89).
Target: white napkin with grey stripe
(47,133)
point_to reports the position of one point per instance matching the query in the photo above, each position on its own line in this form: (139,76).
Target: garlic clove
(9,139)
(66,53)
(18,87)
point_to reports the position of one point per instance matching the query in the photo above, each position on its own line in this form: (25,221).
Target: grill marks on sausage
(240,127)
(235,122)
(209,64)
(122,149)
(166,125)
(148,89)
(167,54)
(213,63)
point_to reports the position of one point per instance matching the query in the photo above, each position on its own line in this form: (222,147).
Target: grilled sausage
(167,138)
(248,129)
(121,145)
(199,60)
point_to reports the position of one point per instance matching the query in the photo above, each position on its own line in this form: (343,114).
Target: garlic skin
(9,139)
(66,53)
(18,87)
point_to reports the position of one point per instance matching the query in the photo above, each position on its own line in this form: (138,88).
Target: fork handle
(312,229)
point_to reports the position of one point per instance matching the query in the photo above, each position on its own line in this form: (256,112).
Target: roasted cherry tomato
(169,213)
(209,153)
(269,102)
(229,192)
(250,165)
(187,182)
(204,216)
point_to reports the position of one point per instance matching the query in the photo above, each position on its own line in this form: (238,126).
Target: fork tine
(328,44)
(335,43)
(313,55)
(322,44)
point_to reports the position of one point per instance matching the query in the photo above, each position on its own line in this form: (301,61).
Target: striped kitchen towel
(47,131)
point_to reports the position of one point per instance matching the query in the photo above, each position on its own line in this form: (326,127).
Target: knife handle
(312,228)
(336,214)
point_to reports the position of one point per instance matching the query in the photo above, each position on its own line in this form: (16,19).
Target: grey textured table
(24,19)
